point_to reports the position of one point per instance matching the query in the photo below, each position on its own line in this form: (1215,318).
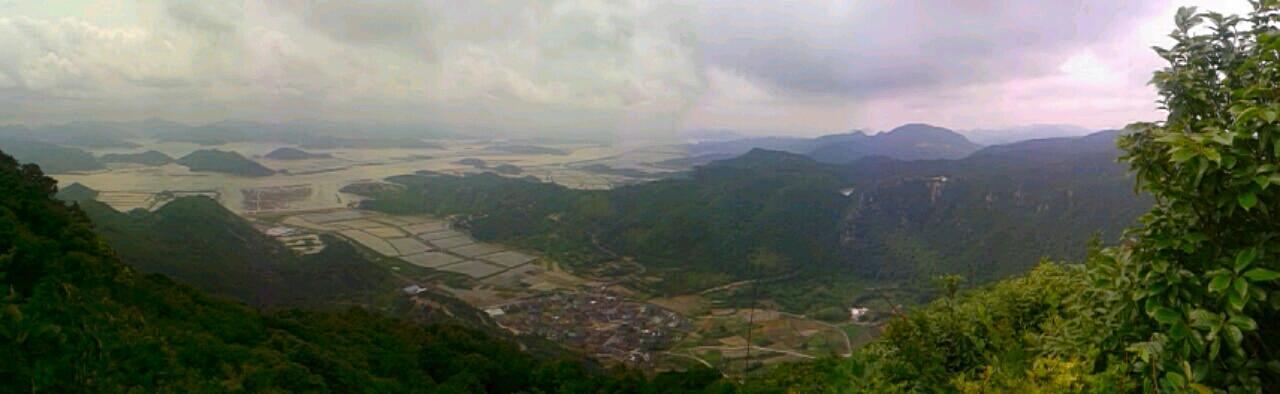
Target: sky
(578,67)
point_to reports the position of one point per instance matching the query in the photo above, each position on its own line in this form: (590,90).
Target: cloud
(585,67)
(863,49)
(835,65)
(527,67)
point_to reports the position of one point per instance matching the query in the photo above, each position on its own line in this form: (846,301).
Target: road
(848,345)
(698,359)
(787,352)
(727,286)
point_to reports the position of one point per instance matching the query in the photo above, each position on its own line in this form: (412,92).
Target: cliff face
(987,215)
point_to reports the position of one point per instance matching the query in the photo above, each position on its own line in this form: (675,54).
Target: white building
(857,314)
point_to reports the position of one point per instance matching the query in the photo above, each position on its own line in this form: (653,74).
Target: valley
(562,242)
(309,201)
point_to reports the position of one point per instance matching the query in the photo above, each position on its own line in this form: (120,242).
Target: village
(599,321)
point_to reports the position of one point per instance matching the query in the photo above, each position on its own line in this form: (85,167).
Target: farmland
(429,251)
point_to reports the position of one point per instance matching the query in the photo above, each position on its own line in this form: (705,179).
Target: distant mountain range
(52,158)
(914,141)
(1024,133)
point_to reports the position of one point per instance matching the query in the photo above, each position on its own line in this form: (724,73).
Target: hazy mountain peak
(1026,132)
(925,131)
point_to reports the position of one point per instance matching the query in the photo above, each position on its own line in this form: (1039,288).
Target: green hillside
(706,226)
(197,241)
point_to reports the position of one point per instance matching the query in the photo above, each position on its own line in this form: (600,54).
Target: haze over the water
(569,67)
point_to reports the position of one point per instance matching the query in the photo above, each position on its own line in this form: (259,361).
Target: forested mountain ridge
(991,214)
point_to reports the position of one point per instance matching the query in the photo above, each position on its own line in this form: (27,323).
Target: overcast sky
(571,66)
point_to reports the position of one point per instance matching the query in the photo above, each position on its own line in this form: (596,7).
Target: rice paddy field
(428,247)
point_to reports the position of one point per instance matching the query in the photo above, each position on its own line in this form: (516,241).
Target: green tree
(1202,305)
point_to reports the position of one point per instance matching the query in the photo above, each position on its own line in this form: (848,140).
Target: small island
(213,160)
(295,154)
(508,169)
(528,150)
(148,158)
(474,162)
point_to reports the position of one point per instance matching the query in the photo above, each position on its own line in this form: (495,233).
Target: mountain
(54,158)
(148,158)
(76,192)
(77,319)
(907,142)
(223,254)
(993,213)
(213,160)
(1024,133)
(989,215)
(295,154)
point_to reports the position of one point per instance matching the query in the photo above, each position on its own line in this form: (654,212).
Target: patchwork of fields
(495,273)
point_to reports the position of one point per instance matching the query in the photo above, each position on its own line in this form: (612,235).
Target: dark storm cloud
(869,48)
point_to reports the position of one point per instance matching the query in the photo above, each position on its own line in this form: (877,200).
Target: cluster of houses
(597,321)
